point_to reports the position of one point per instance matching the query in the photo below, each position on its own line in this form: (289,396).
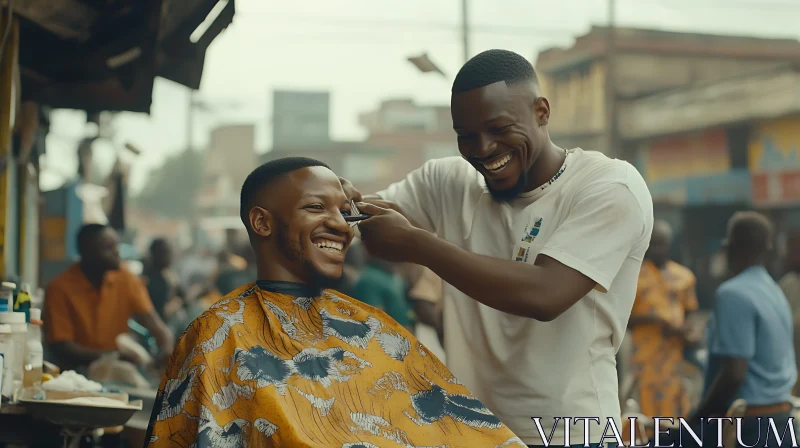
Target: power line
(750,5)
(337,38)
(329,29)
(728,4)
(410,25)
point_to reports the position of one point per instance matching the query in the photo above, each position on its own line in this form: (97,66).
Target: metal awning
(99,55)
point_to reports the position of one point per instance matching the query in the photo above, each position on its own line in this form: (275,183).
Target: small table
(18,427)
(43,423)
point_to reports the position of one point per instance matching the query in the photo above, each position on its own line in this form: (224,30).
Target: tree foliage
(171,190)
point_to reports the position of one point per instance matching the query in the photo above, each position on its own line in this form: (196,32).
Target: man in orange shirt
(89,305)
(664,297)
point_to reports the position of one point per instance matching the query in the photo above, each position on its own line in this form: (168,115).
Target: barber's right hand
(377,201)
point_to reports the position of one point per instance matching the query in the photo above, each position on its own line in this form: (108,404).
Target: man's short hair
(750,232)
(87,234)
(266,174)
(493,66)
(158,243)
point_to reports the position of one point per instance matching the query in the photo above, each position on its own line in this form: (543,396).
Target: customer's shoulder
(243,295)
(230,308)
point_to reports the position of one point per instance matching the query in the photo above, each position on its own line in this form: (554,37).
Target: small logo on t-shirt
(532,233)
(522,254)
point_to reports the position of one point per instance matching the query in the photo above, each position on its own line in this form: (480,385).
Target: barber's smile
(497,165)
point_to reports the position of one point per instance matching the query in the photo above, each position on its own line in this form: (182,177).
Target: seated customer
(90,304)
(285,362)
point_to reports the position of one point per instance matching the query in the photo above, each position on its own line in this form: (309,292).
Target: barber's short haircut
(266,174)
(493,66)
(87,234)
(750,232)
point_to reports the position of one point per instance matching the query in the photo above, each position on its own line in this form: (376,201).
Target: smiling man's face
(498,134)
(308,229)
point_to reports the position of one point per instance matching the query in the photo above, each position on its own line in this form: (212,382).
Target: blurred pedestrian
(751,354)
(163,283)
(380,285)
(790,284)
(660,330)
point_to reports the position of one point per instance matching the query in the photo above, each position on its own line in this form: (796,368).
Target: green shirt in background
(385,291)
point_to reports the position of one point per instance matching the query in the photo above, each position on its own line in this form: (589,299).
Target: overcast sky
(357,50)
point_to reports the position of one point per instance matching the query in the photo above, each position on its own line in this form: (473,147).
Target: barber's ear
(541,111)
(261,221)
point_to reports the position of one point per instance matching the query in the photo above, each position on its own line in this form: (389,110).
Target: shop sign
(777,188)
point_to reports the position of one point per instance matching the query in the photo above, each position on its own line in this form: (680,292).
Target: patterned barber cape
(277,364)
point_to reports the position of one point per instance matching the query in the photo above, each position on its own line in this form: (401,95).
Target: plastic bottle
(23,302)
(34,352)
(7,301)
(19,337)
(6,382)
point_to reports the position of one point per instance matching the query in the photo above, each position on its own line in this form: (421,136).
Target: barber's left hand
(386,234)
(350,191)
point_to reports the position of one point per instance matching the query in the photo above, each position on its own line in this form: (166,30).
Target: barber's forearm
(507,286)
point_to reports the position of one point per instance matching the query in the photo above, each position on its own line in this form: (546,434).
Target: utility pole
(190,121)
(465,29)
(612,145)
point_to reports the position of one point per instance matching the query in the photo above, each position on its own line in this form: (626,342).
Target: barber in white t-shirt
(540,247)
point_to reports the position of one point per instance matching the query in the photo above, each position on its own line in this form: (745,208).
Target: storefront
(695,189)
(774,162)
(710,203)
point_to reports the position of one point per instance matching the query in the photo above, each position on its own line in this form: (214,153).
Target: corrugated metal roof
(104,54)
(592,45)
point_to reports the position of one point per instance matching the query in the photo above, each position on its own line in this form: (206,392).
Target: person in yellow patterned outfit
(289,362)
(664,297)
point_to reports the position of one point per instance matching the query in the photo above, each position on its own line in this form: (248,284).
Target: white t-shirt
(595,218)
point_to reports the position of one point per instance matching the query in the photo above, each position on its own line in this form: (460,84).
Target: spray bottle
(34,352)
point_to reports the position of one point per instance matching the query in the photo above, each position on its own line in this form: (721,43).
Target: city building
(711,122)
(414,133)
(401,137)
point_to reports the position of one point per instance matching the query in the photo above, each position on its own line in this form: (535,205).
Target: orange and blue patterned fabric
(667,294)
(280,365)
